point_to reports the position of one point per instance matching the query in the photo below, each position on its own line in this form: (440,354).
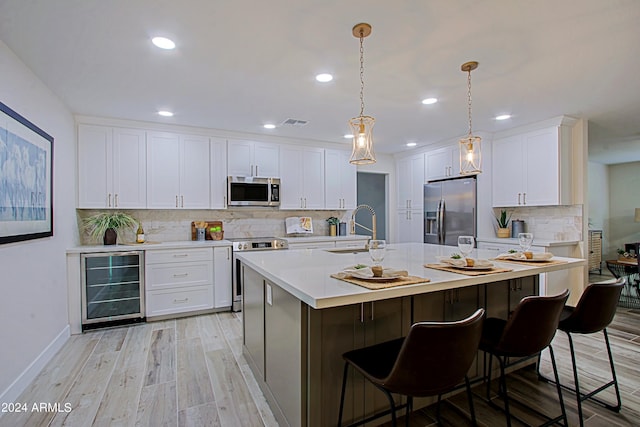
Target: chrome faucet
(373,220)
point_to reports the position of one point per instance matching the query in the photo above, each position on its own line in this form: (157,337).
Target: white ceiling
(241,63)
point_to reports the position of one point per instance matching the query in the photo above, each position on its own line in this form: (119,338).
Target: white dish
(384,277)
(475,267)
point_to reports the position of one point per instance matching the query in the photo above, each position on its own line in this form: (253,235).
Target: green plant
(503,219)
(332,220)
(96,225)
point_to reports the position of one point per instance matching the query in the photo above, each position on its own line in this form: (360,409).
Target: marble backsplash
(550,222)
(175,225)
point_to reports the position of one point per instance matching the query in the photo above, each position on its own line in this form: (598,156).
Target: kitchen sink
(347,250)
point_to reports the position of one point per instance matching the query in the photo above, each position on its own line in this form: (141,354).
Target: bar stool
(433,359)
(529,330)
(593,313)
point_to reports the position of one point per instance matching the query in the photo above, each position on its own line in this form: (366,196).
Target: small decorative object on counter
(342,229)
(333,225)
(212,230)
(106,225)
(140,234)
(503,224)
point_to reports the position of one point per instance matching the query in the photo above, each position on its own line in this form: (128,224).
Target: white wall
(33,306)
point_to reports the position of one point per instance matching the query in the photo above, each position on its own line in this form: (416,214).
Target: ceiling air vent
(294,123)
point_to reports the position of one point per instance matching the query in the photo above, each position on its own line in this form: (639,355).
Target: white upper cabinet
(249,158)
(302,178)
(218,164)
(178,171)
(442,163)
(340,180)
(111,167)
(410,171)
(533,168)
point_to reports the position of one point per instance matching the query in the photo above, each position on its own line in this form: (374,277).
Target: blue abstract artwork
(26,179)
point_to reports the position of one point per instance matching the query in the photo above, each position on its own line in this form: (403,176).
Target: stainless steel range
(247,244)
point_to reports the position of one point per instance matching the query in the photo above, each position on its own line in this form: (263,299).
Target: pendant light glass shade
(470,146)
(470,155)
(362,152)
(361,126)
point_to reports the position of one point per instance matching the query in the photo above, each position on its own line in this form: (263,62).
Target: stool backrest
(595,309)
(532,325)
(436,356)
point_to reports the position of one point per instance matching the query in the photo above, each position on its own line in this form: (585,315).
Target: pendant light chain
(469,98)
(361,73)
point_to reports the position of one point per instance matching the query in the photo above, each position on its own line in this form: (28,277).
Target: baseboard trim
(20,384)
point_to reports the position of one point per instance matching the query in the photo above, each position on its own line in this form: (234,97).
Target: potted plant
(333,225)
(105,226)
(503,224)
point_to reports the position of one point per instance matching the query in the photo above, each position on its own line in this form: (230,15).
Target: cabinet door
(266,160)
(313,178)
(542,168)
(222,276)
(218,174)
(95,167)
(410,226)
(239,158)
(291,186)
(507,171)
(439,164)
(411,179)
(194,172)
(340,184)
(129,168)
(163,171)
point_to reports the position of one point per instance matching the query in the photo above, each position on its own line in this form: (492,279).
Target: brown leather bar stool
(593,313)
(433,359)
(529,330)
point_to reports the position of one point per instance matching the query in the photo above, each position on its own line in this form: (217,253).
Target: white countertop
(536,242)
(315,239)
(305,273)
(186,244)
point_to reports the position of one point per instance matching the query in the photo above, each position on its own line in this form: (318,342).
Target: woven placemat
(532,263)
(467,272)
(381,284)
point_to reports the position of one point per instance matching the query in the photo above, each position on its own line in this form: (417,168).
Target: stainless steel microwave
(253,191)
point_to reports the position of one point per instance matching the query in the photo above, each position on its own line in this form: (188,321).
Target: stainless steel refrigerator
(449,210)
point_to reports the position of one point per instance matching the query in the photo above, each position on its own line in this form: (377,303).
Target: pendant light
(362,153)
(470,149)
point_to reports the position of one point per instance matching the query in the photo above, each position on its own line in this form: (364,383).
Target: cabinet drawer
(314,245)
(351,244)
(161,276)
(171,301)
(174,255)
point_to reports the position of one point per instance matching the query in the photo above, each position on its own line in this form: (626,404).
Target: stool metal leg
(344,385)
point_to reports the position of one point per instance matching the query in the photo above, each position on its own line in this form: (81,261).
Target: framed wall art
(26,179)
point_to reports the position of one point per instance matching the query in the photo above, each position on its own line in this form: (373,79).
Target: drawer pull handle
(180,255)
(180,301)
(181,275)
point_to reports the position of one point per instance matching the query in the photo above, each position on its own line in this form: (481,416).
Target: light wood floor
(191,372)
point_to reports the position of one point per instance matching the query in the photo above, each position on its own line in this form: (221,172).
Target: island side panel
(334,331)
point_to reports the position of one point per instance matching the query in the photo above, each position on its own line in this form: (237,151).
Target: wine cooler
(112,288)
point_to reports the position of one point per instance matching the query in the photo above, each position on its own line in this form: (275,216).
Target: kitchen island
(298,320)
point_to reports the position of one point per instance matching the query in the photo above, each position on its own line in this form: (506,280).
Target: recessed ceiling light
(163,42)
(411,144)
(429,101)
(348,136)
(324,77)
(165,113)
(269,126)
(503,117)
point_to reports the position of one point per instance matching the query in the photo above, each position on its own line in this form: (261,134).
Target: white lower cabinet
(178,281)
(222,277)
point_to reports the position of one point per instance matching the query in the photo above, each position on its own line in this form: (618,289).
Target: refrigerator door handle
(440,220)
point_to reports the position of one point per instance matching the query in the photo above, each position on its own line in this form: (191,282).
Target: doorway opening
(372,191)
